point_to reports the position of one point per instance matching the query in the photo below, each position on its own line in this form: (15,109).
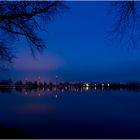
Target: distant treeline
(30,85)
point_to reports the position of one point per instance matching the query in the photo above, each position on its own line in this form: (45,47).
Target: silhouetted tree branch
(22,19)
(127,21)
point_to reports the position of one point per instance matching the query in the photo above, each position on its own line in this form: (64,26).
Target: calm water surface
(71,114)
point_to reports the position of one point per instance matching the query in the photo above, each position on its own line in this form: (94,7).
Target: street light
(87,85)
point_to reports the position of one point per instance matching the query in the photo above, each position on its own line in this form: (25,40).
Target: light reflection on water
(73,114)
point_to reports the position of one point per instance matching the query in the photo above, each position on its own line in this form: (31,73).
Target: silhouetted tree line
(6,82)
(8,85)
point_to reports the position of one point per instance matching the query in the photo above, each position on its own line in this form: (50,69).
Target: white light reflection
(56,96)
(87,88)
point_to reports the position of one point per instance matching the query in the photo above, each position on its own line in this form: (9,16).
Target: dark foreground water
(71,114)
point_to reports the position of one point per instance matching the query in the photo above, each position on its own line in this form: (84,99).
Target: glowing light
(87,88)
(56,96)
(38,94)
(108,85)
(62,90)
(102,85)
(87,85)
(95,88)
(94,84)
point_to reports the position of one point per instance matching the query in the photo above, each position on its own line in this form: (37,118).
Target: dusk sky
(78,49)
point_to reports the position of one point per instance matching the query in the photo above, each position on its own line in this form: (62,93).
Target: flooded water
(72,114)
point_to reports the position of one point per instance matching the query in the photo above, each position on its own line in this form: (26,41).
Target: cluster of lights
(107,85)
(87,86)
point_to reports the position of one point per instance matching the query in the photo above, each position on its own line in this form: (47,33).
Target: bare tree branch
(23,19)
(127,21)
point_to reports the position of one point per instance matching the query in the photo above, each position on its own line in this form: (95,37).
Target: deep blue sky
(78,49)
